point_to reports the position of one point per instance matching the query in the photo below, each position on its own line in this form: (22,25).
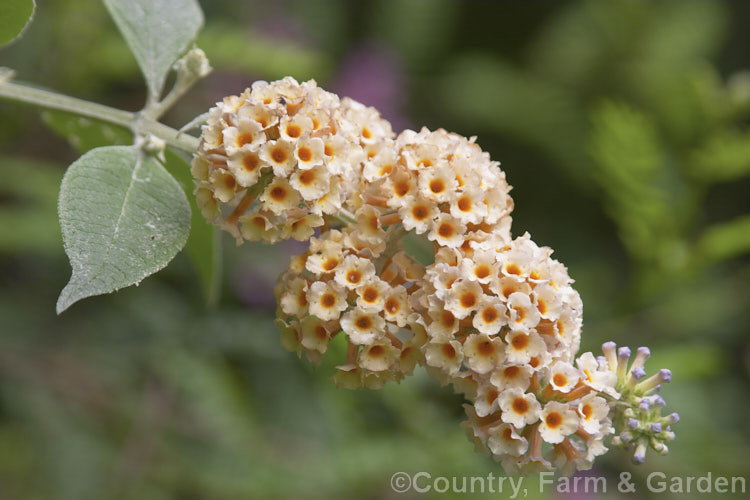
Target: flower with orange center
(445,356)
(246,136)
(279,155)
(246,167)
(354,271)
(443,324)
(504,440)
(507,376)
(484,398)
(548,301)
(294,299)
(519,408)
(521,311)
(522,346)
(557,422)
(593,411)
(256,227)
(396,306)
(293,128)
(371,295)
(437,184)
(505,287)
(378,357)
(380,165)
(309,152)
(482,267)
(417,214)
(490,315)
(483,353)
(279,196)
(264,116)
(447,231)
(363,328)
(326,300)
(597,375)
(224,185)
(314,335)
(563,376)
(463,298)
(312,184)
(468,206)
(397,186)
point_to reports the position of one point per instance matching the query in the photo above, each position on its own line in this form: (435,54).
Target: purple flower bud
(644,352)
(623,352)
(666,375)
(655,428)
(659,401)
(645,405)
(638,373)
(633,423)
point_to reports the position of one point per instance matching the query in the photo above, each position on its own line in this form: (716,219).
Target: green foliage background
(623,127)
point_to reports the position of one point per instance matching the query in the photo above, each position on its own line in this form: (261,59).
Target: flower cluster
(275,160)
(335,288)
(495,317)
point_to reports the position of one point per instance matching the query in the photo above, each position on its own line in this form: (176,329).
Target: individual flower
(504,440)
(363,328)
(558,421)
(326,300)
(446,356)
(483,353)
(519,408)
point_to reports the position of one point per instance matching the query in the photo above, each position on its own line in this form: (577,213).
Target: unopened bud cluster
(492,315)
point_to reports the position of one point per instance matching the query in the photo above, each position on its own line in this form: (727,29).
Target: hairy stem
(137,123)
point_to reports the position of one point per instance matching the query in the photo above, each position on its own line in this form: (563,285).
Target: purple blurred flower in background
(373,75)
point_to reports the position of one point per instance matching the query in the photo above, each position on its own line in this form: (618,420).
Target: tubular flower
(494,316)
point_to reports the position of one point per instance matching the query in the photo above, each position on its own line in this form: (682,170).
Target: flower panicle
(493,315)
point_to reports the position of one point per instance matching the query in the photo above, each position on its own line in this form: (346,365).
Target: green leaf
(85,134)
(725,157)
(123,217)
(723,241)
(15,16)
(158,32)
(204,244)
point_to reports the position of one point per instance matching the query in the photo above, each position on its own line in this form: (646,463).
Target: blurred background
(623,127)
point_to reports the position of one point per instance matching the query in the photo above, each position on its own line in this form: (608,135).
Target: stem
(137,123)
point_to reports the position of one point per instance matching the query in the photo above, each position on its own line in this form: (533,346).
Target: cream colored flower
(309,152)
(558,421)
(508,376)
(279,196)
(378,357)
(279,155)
(363,328)
(447,231)
(326,300)
(483,353)
(446,356)
(354,271)
(490,315)
(311,184)
(563,376)
(504,440)
(519,408)
(463,298)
